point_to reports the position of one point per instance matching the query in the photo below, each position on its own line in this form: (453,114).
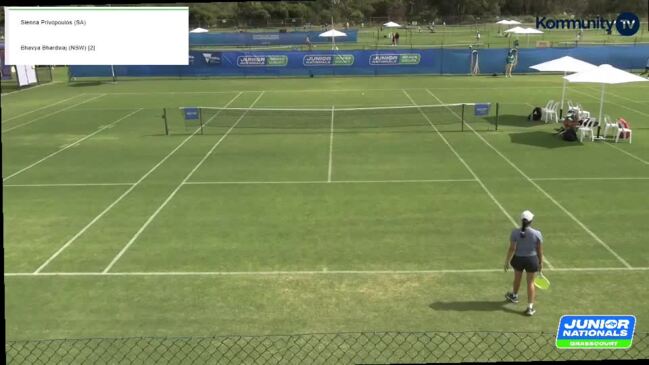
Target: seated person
(571,121)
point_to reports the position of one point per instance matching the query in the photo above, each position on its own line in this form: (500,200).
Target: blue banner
(595,331)
(481,109)
(375,62)
(191,113)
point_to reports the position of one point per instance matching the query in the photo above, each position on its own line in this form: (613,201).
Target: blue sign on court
(482,109)
(191,113)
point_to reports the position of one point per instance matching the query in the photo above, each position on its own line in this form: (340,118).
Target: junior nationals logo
(595,332)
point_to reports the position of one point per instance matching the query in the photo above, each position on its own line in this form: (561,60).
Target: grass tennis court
(306,222)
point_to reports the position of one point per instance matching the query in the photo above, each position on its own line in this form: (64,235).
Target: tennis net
(382,119)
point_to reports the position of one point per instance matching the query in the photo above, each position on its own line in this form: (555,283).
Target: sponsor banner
(595,332)
(328,60)
(481,109)
(191,113)
(393,59)
(265,37)
(213,58)
(262,61)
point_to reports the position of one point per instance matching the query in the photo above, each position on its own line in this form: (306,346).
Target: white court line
(331,144)
(612,144)
(325,182)
(566,211)
(173,193)
(475,176)
(608,92)
(291,182)
(30,88)
(587,178)
(76,142)
(310,273)
(50,114)
(124,194)
(620,105)
(41,108)
(65,185)
(329,90)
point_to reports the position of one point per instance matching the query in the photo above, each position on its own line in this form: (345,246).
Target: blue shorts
(525,263)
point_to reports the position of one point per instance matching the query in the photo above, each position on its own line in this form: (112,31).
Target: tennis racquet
(541,282)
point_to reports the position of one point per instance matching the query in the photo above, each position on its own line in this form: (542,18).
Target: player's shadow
(86,83)
(513,120)
(542,139)
(476,306)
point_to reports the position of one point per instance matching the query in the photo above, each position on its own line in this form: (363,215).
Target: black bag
(536,114)
(569,135)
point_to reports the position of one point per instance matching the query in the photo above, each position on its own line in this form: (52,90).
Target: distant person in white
(525,254)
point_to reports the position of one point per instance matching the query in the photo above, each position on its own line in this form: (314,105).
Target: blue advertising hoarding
(374,62)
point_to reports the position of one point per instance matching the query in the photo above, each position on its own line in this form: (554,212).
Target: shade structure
(391,25)
(527,31)
(515,30)
(520,30)
(604,74)
(508,22)
(199,30)
(564,64)
(332,34)
(530,31)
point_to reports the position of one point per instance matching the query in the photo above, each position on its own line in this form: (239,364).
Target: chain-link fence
(330,348)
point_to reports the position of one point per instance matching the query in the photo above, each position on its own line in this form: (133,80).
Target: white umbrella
(508,22)
(391,25)
(515,30)
(528,31)
(333,34)
(604,74)
(564,64)
(199,30)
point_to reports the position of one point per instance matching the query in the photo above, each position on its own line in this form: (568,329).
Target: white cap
(527,215)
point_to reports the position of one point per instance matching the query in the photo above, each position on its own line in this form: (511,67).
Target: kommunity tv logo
(627,24)
(595,332)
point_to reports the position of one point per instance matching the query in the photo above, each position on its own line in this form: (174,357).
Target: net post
(497,114)
(200,118)
(164,118)
(463,105)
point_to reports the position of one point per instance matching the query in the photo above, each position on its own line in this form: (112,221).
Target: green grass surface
(387,245)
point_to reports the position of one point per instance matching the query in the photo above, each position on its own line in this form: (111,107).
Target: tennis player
(509,64)
(525,254)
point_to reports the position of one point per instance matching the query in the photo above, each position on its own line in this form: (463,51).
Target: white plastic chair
(571,106)
(587,129)
(623,131)
(582,113)
(547,107)
(551,113)
(610,125)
